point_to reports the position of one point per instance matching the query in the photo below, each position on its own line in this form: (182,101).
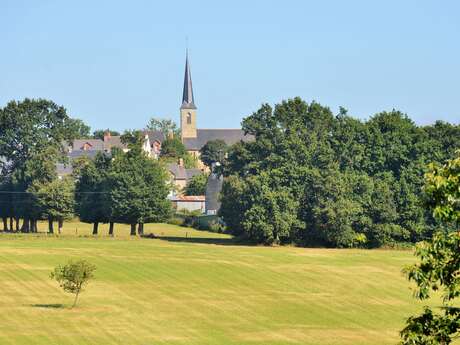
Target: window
(189,118)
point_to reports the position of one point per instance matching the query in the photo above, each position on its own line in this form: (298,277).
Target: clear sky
(117,63)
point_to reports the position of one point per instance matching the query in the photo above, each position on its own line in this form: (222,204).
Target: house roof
(230,136)
(113,141)
(181,173)
(155,136)
(63,169)
(82,153)
(189,198)
(95,144)
(213,188)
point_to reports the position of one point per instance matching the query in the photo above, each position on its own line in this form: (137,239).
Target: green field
(202,289)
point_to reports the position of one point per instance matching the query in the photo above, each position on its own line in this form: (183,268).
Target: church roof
(188,102)
(230,136)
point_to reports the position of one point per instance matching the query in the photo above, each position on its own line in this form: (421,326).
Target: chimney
(107,136)
(181,162)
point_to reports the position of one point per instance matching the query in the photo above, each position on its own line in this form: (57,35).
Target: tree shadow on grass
(49,306)
(203,240)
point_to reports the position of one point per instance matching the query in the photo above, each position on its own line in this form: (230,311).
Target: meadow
(195,287)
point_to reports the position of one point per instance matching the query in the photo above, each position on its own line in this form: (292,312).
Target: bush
(176,221)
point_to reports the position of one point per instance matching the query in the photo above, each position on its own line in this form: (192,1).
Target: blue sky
(117,63)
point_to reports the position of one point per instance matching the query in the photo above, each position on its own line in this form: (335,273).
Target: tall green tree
(55,201)
(32,133)
(138,189)
(359,183)
(93,192)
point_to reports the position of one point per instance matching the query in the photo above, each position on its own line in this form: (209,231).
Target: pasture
(202,289)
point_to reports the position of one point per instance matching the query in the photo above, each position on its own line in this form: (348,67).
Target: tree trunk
(60,225)
(17,224)
(95,227)
(12,224)
(50,225)
(133,229)
(140,229)
(111,229)
(33,225)
(5,224)
(75,300)
(25,225)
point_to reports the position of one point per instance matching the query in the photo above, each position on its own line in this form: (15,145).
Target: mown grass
(199,290)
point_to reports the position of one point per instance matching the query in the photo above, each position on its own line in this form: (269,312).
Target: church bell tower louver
(188,108)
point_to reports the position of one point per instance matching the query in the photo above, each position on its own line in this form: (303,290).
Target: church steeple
(188,108)
(188,102)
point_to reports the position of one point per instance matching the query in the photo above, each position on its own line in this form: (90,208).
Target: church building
(195,138)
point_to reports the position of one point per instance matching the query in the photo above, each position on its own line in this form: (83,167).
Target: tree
(359,183)
(93,192)
(166,126)
(80,129)
(6,209)
(138,189)
(439,262)
(73,276)
(55,200)
(197,185)
(32,133)
(32,126)
(172,148)
(213,151)
(100,133)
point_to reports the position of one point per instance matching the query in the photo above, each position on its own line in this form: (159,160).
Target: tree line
(113,188)
(314,178)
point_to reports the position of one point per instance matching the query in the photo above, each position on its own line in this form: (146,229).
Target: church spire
(187,97)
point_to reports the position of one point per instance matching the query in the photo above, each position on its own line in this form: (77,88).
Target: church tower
(188,108)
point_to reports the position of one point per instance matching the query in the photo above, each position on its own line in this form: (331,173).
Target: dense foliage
(138,189)
(118,187)
(311,178)
(213,151)
(172,150)
(196,185)
(439,262)
(32,137)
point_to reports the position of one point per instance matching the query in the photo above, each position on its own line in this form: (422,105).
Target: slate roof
(113,141)
(63,169)
(230,136)
(82,153)
(155,136)
(180,173)
(213,188)
(188,102)
(96,144)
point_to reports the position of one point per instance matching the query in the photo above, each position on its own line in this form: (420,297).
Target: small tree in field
(73,276)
